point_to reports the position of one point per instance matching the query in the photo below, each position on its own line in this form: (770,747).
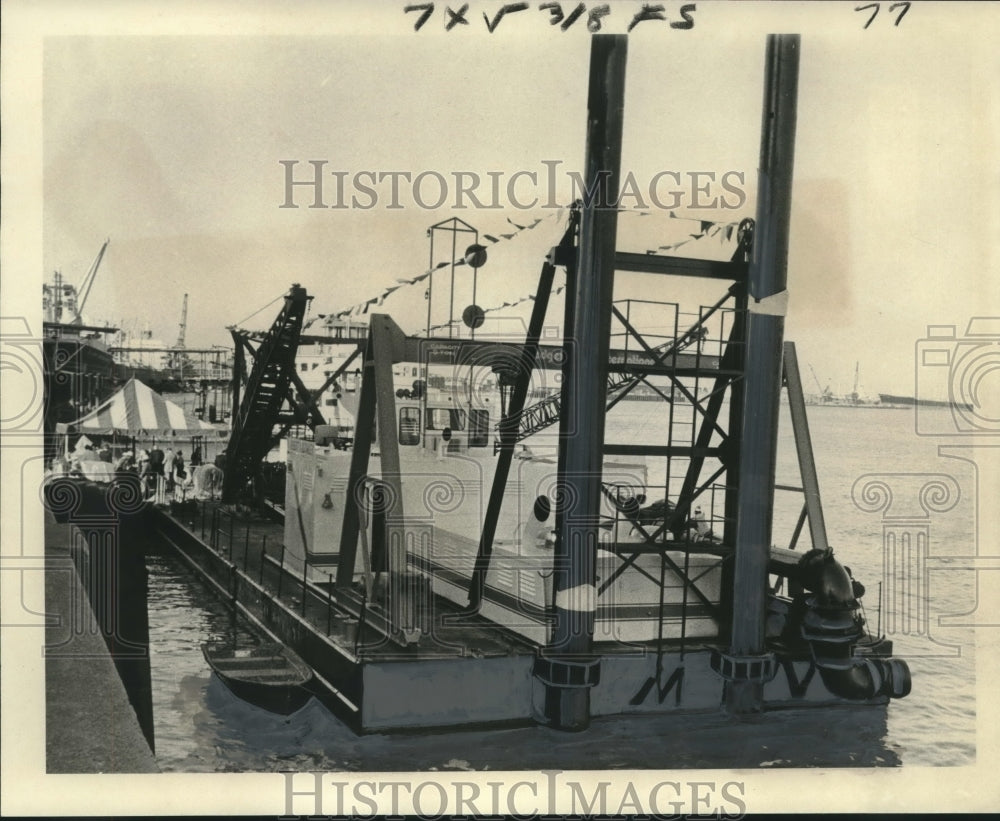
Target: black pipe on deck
(762,385)
(567,668)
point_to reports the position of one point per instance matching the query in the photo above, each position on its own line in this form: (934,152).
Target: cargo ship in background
(86,362)
(855,399)
(79,366)
(890,400)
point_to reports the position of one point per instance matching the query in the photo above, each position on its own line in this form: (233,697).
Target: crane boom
(815,378)
(88,281)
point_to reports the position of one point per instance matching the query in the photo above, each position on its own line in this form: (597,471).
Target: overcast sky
(171,145)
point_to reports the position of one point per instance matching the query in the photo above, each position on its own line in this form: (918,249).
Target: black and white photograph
(492,408)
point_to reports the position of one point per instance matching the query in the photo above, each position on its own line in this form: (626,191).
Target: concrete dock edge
(90,726)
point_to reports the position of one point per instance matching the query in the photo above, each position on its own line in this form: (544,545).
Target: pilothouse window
(441,418)
(409,426)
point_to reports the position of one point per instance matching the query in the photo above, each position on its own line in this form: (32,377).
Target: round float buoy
(473,316)
(475,256)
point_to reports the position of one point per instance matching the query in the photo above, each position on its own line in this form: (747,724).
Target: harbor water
(870,463)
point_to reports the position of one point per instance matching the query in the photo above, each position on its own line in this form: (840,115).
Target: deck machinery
(636,582)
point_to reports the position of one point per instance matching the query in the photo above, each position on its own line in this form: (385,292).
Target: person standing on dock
(168,469)
(180,477)
(154,471)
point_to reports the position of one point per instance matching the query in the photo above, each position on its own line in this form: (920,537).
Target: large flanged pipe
(832,625)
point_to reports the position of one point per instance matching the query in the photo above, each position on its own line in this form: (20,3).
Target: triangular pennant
(490,237)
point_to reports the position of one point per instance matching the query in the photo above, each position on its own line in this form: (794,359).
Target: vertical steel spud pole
(765,331)
(567,669)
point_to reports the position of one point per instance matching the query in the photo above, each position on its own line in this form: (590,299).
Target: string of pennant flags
(401,282)
(706,228)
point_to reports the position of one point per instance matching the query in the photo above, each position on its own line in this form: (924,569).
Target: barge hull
(472,676)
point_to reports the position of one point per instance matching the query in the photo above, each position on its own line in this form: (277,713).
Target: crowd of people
(165,475)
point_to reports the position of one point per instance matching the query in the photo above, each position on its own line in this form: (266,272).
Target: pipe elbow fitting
(865,678)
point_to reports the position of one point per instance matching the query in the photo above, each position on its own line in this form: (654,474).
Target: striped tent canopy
(138,410)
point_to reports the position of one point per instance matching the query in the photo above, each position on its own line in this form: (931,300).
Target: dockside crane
(824,393)
(183,330)
(88,282)
(61,295)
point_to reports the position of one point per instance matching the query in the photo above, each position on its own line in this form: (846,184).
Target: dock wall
(92,724)
(100,530)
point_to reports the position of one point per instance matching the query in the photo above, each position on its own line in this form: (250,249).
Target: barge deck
(463,672)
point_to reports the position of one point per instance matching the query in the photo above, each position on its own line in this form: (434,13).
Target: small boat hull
(270,676)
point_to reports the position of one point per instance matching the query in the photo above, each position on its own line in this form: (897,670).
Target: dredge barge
(455,563)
